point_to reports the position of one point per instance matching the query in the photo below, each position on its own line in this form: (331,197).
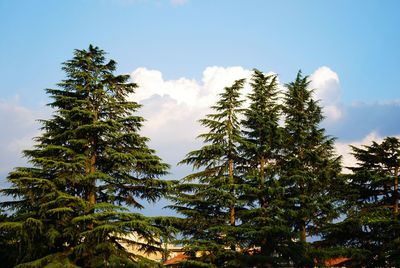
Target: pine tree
(262,132)
(261,148)
(208,197)
(87,166)
(371,230)
(309,168)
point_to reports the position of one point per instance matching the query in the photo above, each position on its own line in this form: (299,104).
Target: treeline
(267,188)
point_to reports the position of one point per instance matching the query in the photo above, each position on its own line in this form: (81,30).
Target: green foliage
(309,167)
(266,178)
(372,223)
(89,162)
(280,181)
(8,242)
(262,219)
(208,197)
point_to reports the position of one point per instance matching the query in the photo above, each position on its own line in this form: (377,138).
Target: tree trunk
(91,169)
(396,194)
(262,199)
(231,178)
(231,181)
(91,191)
(232,208)
(303,234)
(263,202)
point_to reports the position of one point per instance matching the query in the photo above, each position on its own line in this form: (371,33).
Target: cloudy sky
(182,53)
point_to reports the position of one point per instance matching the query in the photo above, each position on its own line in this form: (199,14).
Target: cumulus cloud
(327,89)
(185,90)
(344,149)
(173,107)
(354,124)
(151,83)
(179,100)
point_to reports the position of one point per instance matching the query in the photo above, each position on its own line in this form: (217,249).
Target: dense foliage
(266,188)
(285,179)
(263,224)
(309,169)
(89,163)
(370,233)
(209,197)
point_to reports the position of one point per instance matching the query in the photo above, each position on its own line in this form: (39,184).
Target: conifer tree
(261,130)
(370,233)
(208,197)
(309,168)
(89,163)
(261,148)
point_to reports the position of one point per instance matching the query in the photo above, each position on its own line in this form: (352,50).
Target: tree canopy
(209,197)
(89,163)
(370,232)
(266,188)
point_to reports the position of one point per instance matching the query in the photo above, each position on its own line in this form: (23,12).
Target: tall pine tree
(309,168)
(87,166)
(208,197)
(261,148)
(262,131)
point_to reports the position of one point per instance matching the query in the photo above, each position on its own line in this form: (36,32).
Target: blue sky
(177,48)
(357,39)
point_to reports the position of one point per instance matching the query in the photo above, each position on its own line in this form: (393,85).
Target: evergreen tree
(371,230)
(309,168)
(262,132)
(261,148)
(89,163)
(208,197)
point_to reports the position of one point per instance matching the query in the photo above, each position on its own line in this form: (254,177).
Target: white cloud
(344,149)
(326,83)
(332,112)
(216,78)
(188,91)
(180,99)
(327,89)
(151,83)
(172,108)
